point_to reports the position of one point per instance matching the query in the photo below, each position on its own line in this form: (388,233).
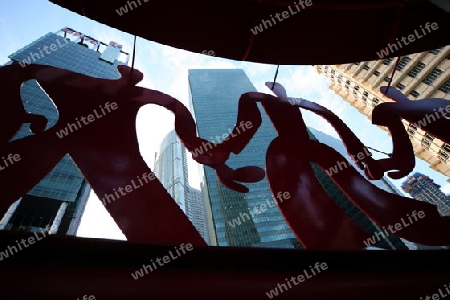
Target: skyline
(166,69)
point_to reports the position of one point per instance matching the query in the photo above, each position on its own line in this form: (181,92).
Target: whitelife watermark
(86,120)
(35,56)
(165,260)
(429,118)
(11,250)
(225,137)
(146,177)
(258,209)
(284,15)
(86,297)
(301,278)
(10,160)
(124,9)
(209,53)
(391,48)
(345,164)
(398,226)
(437,296)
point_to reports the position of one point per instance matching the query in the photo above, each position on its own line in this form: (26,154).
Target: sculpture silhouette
(314,217)
(106,151)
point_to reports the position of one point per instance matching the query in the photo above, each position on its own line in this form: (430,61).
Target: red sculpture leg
(105,149)
(316,219)
(384,208)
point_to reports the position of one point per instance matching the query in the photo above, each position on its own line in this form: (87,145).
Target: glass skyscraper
(59,199)
(172,171)
(214,96)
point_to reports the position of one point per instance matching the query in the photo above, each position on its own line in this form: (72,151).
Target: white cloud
(446,189)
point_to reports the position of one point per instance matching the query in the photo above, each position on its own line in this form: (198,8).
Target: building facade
(423,188)
(418,76)
(59,199)
(214,96)
(172,171)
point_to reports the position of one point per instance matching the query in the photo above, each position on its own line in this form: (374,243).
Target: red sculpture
(104,147)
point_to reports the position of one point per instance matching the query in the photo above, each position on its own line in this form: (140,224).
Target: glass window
(445,87)
(387,61)
(415,94)
(435,51)
(376,73)
(403,62)
(432,76)
(400,86)
(416,70)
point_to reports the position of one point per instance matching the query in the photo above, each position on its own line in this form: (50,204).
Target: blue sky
(165,69)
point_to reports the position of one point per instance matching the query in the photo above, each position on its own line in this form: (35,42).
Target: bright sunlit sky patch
(166,69)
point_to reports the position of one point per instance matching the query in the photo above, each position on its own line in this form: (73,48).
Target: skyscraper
(423,188)
(214,96)
(59,199)
(418,76)
(172,171)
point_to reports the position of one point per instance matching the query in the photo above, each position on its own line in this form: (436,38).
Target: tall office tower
(418,76)
(423,188)
(214,96)
(59,199)
(196,211)
(172,170)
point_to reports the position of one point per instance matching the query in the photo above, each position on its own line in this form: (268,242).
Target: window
(426,143)
(431,77)
(375,101)
(387,61)
(340,76)
(364,98)
(366,67)
(356,63)
(443,155)
(376,73)
(346,86)
(445,87)
(403,62)
(446,147)
(416,70)
(413,126)
(357,87)
(347,82)
(387,79)
(435,51)
(415,94)
(366,93)
(332,72)
(429,137)
(400,86)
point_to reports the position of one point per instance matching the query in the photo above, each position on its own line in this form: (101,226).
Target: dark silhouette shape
(317,221)
(106,151)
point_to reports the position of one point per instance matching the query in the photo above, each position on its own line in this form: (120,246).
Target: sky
(165,69)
